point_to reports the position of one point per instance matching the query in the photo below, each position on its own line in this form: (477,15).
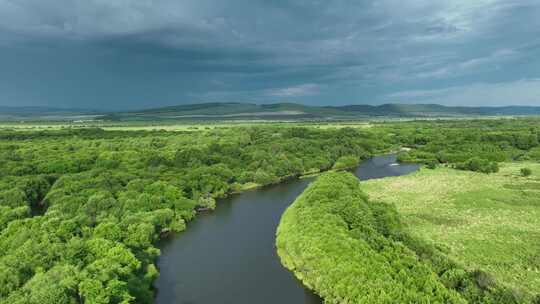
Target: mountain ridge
(274,111)
(392,109)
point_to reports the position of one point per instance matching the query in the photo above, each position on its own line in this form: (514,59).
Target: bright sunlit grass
(489,222)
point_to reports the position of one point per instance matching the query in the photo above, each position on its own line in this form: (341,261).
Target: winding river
(229,257)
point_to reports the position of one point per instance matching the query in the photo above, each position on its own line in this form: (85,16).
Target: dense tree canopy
(81,209)
(475,145)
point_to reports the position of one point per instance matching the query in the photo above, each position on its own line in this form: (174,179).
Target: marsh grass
(487,222)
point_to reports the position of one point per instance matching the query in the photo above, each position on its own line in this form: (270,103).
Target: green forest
(82,209)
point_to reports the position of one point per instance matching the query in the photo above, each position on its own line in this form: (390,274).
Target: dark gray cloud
(141,53)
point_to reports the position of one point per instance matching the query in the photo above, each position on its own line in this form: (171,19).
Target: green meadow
(487,222)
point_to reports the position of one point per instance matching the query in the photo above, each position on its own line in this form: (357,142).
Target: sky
(131,54)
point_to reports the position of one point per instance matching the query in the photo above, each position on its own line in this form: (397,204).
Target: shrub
(346,162)
(431,164)
(525,172)
(477,164)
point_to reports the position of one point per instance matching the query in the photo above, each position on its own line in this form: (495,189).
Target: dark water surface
(383,166)
(229,257)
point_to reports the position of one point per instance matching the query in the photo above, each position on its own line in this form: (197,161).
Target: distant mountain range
(229,111)
(277,111)
(46,114)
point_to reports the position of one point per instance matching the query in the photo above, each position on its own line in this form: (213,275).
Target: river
(229,257)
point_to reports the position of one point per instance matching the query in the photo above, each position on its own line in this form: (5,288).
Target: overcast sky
(119,54)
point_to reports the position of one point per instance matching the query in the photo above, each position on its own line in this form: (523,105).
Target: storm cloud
(128,54)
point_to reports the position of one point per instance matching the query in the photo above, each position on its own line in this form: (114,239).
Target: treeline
(352,250)
(476,145)
(81,210)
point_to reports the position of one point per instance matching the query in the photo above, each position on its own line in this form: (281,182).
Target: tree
(346,162)
(58,285)
(263,178)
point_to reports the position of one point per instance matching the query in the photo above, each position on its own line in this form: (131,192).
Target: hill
(46,114)
(231,111)
(276,111)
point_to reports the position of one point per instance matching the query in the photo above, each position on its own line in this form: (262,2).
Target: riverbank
(310,174)
(228,255)
(206,251)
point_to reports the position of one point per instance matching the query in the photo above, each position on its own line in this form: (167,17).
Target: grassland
(175,125)
(488,222)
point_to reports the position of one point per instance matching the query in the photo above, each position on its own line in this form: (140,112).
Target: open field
(25,124)
(206,125)
(488,222)
(175,126)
